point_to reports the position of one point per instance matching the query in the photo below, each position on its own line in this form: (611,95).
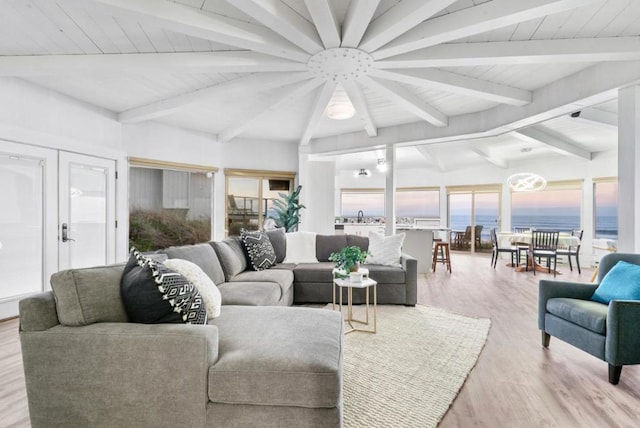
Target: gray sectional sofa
(301,283)
(260,363)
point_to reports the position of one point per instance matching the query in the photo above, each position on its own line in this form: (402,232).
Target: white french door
(86,211)
(40,190)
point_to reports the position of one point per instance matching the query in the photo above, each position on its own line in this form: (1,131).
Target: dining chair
(462,239)
(522,247)
(477,236)
(544,244)
(496,250)
(573,250)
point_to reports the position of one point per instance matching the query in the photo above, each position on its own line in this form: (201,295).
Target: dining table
(507,239)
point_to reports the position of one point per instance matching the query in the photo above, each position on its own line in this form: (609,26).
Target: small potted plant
(348,260)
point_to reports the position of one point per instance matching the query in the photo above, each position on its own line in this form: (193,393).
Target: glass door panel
(460,216)
(28,222)
(243,208)
(21,225)
(487,214)
(87,209)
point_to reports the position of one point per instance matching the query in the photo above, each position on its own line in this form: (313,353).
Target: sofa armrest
(410,266)
(38,312)
(622,344)
(548,289)
(118,374)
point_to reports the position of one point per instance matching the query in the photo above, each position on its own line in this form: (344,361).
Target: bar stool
(445,256)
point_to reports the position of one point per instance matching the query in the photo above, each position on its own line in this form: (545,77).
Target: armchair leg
(614,374)
(546,337)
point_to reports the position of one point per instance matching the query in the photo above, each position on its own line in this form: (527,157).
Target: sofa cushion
(201,254)
(622,282)
(260,252)
(585,313)
(152,293)
(231,256)
(314,272)
(208,290)
(278,357)
(385,250)
(327,244)
(278,239)
(386,274)
(250,293)
(282,277)
(301,247)
(89,295)
(358,241)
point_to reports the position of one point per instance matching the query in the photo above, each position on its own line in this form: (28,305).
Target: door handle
(65,233)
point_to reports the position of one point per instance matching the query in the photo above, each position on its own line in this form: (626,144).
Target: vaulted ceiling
(494,75)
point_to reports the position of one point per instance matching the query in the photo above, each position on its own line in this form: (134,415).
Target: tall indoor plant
(288,210)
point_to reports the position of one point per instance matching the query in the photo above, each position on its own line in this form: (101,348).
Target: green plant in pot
(348,260)
(287,210)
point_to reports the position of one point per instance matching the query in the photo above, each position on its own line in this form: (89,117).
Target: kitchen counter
(418,241)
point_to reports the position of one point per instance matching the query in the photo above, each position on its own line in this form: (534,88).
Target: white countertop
(410,227)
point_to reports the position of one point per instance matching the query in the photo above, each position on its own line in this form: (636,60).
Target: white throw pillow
(301,248)
(385,250)
(208,290)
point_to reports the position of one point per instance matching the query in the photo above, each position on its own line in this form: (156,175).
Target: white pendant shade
(340,106)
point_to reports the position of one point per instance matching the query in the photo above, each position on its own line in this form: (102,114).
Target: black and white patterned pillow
(152,293)
(259,249)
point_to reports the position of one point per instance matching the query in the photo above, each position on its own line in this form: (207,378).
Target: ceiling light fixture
(526,182)
(382,165)
(340,106)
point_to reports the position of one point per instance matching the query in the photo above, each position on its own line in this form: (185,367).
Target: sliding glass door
(473,212)
(250,196)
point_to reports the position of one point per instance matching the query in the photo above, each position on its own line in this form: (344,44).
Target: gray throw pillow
(152,293)
(278,240)
(231,255)
(259,249)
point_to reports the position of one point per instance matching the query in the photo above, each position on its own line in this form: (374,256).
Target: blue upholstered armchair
(608,332)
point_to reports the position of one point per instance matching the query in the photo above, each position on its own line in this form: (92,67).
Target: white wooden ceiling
(239,68)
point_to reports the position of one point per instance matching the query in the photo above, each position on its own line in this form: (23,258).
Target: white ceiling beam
(146,63)
(580,90)
(430,156)
(595,116)
(356,95)
(356,21)
(174,104)
(398,20)
(500,163)
(286,96)
(474,20)
(405,99)
(326,22)
(519,52)
(283,20)
(319,106)
(193,22)
(457,84)
(538,134)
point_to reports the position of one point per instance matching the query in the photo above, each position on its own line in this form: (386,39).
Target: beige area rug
(409,373)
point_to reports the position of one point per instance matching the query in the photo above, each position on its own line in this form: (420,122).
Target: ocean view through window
(557,207)
(410,202)
(605,202)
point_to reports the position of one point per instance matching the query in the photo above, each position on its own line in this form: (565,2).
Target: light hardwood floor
(516,383)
